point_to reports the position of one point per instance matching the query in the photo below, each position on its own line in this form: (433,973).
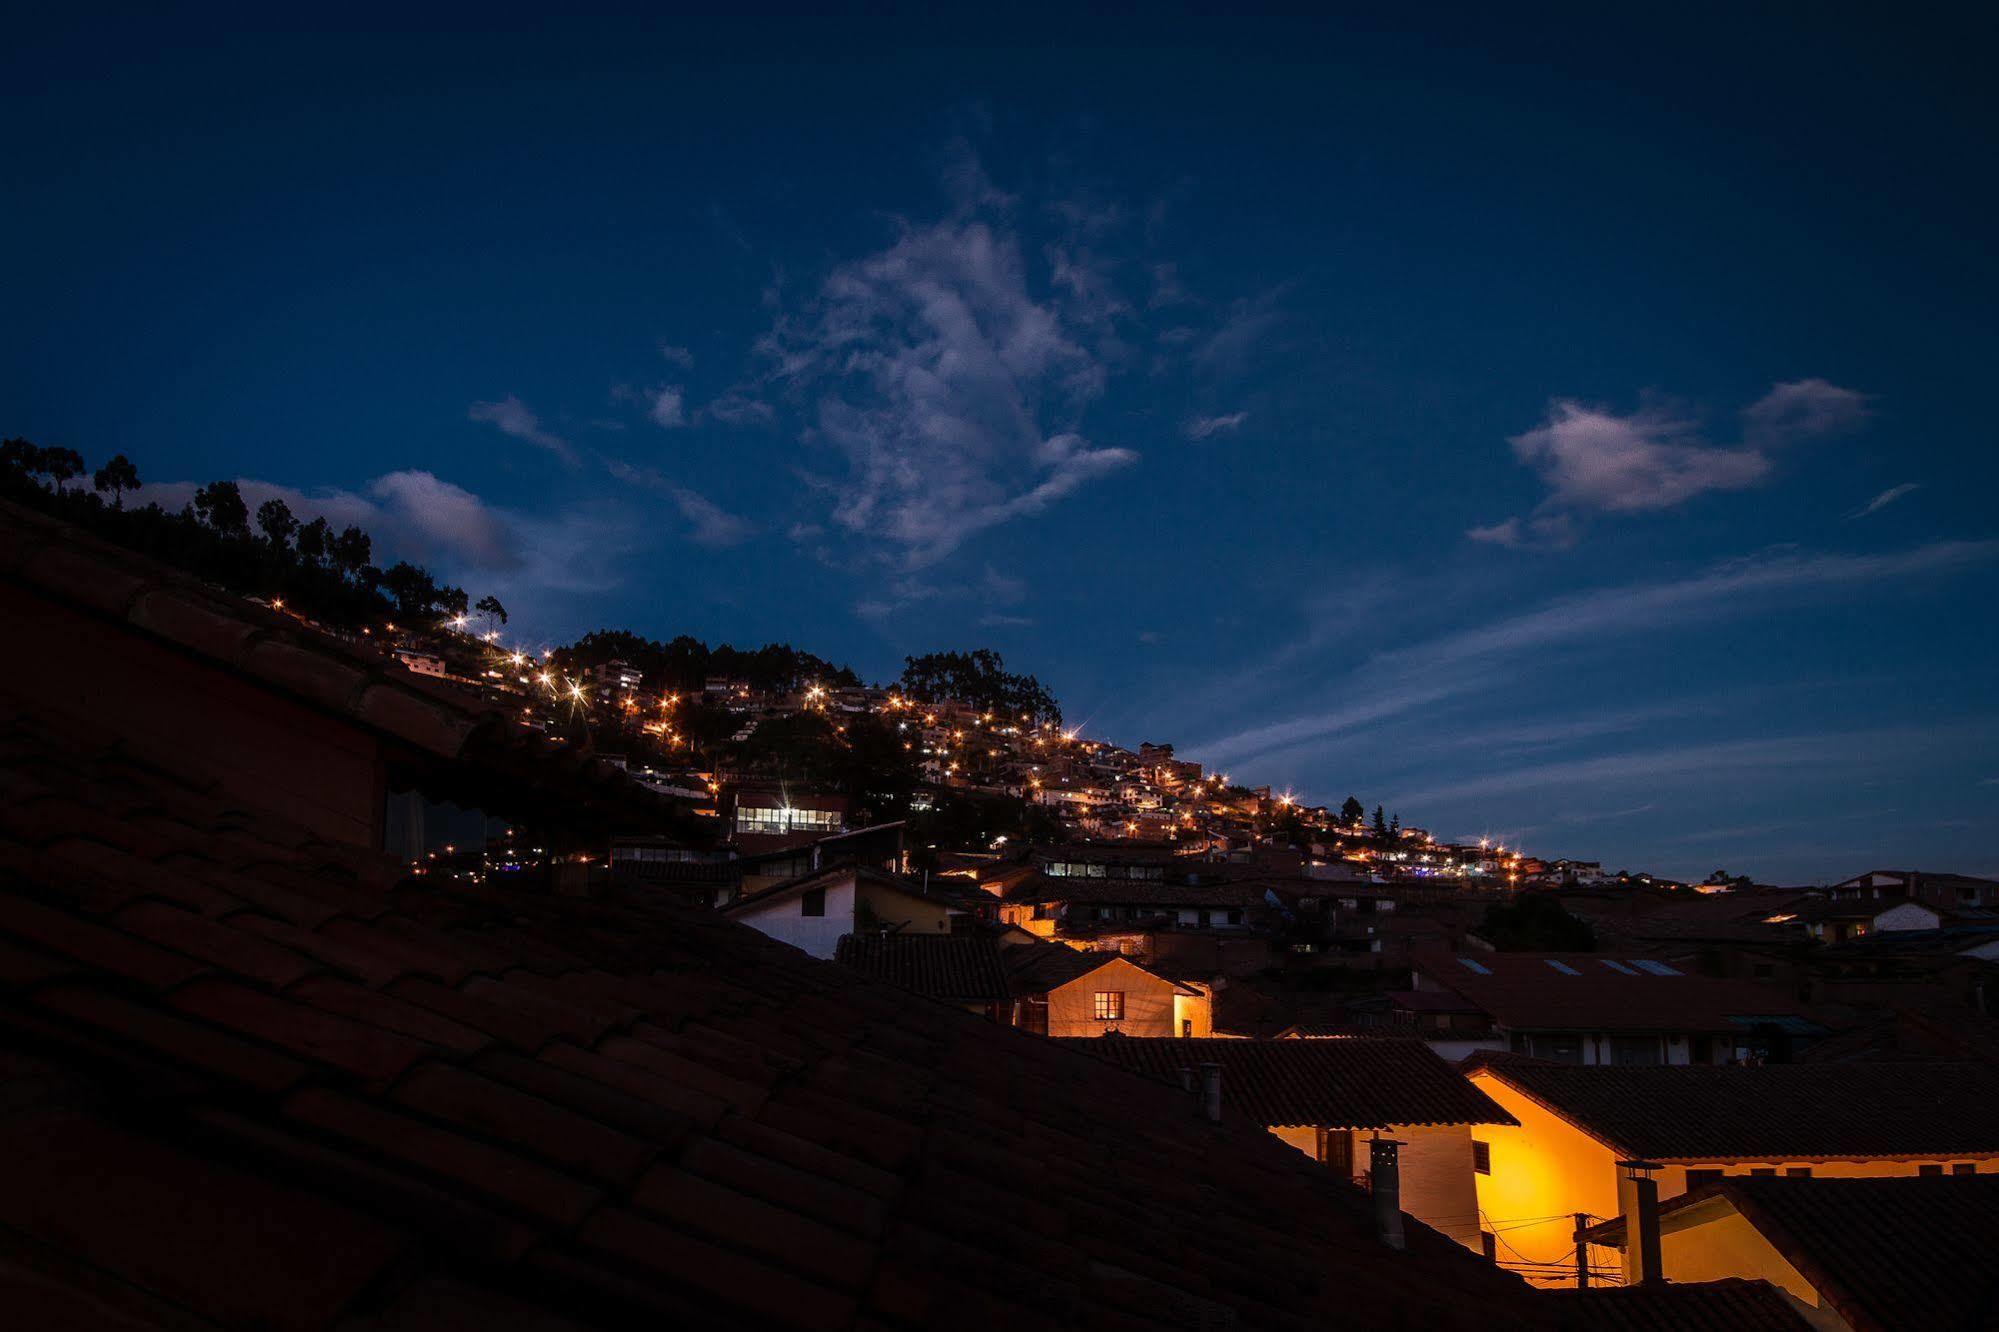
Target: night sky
(1566,429)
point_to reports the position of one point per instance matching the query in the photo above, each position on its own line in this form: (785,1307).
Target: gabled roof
(1905,1252)
(1355,1082)
(951,968)
(246,1079)
(1038,968)
(1595,992)
(1768,1112)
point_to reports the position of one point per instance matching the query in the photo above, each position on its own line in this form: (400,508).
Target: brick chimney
(1211,1092)
(1384,1168)
(1638,1204)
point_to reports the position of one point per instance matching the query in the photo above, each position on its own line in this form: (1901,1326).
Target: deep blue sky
(1482,419)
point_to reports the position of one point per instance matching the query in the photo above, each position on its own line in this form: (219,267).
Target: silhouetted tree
(220,505)
(1352,811)
(117,476)
(274,517)
(312,541)
(60,465)
(352,550)
(1380,828)
(490,605)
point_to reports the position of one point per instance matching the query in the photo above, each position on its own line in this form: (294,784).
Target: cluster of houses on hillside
(262,1066)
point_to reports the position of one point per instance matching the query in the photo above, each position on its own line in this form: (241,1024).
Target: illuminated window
(1481,1157)
(1110,1005)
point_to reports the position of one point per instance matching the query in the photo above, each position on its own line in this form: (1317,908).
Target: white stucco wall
(817,935)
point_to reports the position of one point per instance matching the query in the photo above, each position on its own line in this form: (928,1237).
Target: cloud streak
(1596,461)
(512,417)
(1204,427)
(1398,682)
(1885,498)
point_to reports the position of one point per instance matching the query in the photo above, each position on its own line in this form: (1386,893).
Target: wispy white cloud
(512,417)
(946,385)
(1800,410)
(668,409)
(676,355)
(708,523)
(1202,427)
(994,619)
(1885,498)
(1594,460)
(1229,351)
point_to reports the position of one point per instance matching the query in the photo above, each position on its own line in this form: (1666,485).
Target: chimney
(1211,1092)
(1638,1204)
(1384,1168)
(1186,1079)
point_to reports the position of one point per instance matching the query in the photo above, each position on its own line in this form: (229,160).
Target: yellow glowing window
(1110,1005)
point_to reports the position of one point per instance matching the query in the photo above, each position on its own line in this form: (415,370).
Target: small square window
(1696,1178)
(1109,1005)
(1763,1172)
(1963,1168)
(1929,1170)
(1798,1172)
(812,902)
(1481,1156)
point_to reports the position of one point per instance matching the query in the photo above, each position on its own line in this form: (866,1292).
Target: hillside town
(425,979)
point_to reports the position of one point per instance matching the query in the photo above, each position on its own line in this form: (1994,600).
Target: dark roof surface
(1037,968)
(1731,1305)
(352,681)
(250,1080)
(952,968)
(1769,1112)
(1886,1253)
(1593,992)
(1909,1251)
(1359,1082)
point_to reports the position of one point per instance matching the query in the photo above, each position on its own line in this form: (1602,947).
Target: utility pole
(1582,1251)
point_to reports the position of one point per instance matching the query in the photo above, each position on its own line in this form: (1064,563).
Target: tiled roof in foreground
(1770,1112)
(1357,1082)
(248,1081)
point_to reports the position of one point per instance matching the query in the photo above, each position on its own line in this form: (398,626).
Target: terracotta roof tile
(1731,1305)
(722,1274)
(365,1051)
(227,1244)
(151,1032)
(560,1134)
(411,1143)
